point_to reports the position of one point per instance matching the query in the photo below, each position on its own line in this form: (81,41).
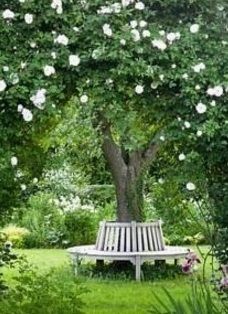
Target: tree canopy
(145,72)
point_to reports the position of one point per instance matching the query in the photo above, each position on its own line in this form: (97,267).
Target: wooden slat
(154,238)
(128,239)
(151,245)
(162,237)
(106,238)
(158,237)
(118,224)
(145,239)
(100,239)
(122,239)
(116,242)
(139,234)
(111,236)
(134,239)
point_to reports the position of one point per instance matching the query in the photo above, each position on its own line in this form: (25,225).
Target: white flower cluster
(215,91)
(62,40)
(39,98)
(113,8)
(71,204)
(48,70)
(58,6)
(107,30)
(26,113)
(199,67)
(161,44)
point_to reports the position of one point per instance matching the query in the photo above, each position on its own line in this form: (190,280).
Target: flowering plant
(190,263)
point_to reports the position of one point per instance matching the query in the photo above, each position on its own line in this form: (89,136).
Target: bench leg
(137,268)
(176,261)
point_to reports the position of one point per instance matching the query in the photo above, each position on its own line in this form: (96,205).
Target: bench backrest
(130,237)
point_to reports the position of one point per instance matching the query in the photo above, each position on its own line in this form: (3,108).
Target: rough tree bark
(127,170)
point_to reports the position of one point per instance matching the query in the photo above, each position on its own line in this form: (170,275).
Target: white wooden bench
(134,242)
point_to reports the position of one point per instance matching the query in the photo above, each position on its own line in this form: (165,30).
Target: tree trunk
(129,194)
(127,170)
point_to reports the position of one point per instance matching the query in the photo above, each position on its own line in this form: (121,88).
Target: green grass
(112,296)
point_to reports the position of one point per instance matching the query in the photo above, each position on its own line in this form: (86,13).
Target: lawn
(112,296)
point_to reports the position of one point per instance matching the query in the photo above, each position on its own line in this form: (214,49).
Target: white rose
(199,133)
(187,124)
(39,98)
(190,186)
(140,6)
(28,18)
(133,24)
(123,42)
(84,99)
(194,28)
(2,85)
(146,33)
(135,34)
(48,70)
(160,44)
(14,161)
(62,39)
(142,23)
(27,115)
(182,157)
(74,60)
(8,14)
(201,108)
(139,89)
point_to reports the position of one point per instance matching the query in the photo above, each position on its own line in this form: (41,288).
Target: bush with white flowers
(166,65)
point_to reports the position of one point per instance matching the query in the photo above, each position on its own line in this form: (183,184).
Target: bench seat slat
(116,244)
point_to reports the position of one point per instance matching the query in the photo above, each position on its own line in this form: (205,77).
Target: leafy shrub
(55,292)
(7,258)
(15,234)
(81,227)
(44,221)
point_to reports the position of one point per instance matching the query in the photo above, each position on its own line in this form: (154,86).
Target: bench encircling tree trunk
(129,241)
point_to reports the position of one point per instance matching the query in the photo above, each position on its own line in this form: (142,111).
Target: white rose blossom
(57,5)
(62,40)
(199,67)
(48,70)
(2,85)
(139,89)
(84,99)
(107,30)
(159,43)
(74,60)
(8,14)
(135,34)
(201,108)
(27,115)
(215,91)
(194,28)
(190,186)
(28,18)
(39,98)
(14,161)
(182,157)
(146,33)
(139,6)
(187,124)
